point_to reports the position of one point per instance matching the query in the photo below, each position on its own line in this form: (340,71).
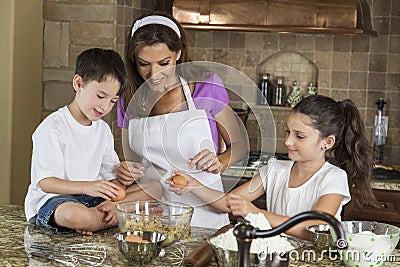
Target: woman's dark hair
(149,35)
(97,64)
(351,149)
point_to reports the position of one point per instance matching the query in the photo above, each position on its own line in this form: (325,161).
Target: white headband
(155,20)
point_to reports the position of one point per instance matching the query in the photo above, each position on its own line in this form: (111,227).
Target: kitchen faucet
(245,232)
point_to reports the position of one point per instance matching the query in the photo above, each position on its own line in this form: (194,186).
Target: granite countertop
(16,233)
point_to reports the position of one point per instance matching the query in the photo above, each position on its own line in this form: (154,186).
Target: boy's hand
(129,171)
(110,218)
(240,206)
(101,188)
(181,190)
(205,160)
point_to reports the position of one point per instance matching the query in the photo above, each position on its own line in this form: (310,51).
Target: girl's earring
(325,147)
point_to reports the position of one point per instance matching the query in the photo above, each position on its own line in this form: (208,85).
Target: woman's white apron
(165,142)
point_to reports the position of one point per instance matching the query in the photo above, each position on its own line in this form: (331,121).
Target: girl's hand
(240,206)
(101,188)
(205,161)
(180,190)
(109,218)
(128,172)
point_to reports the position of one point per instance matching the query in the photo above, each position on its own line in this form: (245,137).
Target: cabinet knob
(385,205)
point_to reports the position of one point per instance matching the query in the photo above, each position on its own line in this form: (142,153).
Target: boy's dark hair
(351,150)
(96,64)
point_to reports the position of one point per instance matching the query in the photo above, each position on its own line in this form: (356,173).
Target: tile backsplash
(358,67)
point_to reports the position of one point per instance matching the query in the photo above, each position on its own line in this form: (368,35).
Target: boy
(73,159)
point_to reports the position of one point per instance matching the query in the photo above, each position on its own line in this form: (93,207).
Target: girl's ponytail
(353,154)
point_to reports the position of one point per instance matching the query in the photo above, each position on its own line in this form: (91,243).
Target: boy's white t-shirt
(65,149)
(282,200)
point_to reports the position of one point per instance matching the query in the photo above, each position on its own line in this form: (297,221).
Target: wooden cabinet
(388,212)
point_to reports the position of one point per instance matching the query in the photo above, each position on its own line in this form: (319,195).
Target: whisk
(64,259)
(175,254)
(91,254)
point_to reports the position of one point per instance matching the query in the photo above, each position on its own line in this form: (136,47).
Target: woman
(172,115)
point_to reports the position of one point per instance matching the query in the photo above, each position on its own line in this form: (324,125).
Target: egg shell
(134,238)
(121,195)
(179,180)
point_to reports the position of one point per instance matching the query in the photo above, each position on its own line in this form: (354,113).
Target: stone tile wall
(360,67)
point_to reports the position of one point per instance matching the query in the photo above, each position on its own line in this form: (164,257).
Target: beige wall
(24,93)
(6,73)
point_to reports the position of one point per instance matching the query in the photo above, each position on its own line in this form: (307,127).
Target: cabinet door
(388,211)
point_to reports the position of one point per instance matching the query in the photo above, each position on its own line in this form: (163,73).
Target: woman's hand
(128,172)
(101,188)
(205,160)
(181,190)
(240,206)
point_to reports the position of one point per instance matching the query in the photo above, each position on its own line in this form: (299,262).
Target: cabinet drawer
(388,211)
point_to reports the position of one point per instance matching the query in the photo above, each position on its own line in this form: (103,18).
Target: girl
(172,122)
(315,126)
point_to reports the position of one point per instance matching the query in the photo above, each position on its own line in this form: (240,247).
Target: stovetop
(257,159)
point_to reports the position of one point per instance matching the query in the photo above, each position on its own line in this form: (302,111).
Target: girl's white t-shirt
(282,200)
(65,149)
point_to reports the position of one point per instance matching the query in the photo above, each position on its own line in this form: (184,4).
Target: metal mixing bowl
(140,253)
(169,218)
(321,236)
(228,258)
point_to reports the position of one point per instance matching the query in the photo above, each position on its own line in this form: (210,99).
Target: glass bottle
(279,92)
(294,97)
(311,90)
(266,90)
(379,135)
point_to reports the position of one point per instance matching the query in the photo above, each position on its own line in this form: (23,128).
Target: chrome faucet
(245,232)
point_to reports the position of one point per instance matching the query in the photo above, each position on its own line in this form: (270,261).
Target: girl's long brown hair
(351,150)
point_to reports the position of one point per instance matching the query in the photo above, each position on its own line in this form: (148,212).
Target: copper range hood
(295,16)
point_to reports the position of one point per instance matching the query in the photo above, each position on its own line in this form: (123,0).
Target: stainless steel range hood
(295,16)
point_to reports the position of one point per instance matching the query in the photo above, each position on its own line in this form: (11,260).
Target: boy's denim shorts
(47,210)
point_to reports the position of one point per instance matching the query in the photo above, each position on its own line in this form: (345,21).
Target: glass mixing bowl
(169,218)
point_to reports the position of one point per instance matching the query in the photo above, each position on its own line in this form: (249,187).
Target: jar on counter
(266,90)
(279,92)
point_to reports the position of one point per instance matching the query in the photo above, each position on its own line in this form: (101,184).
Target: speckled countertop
(16,233)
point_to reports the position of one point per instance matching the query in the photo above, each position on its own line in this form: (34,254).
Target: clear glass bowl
(169,218)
